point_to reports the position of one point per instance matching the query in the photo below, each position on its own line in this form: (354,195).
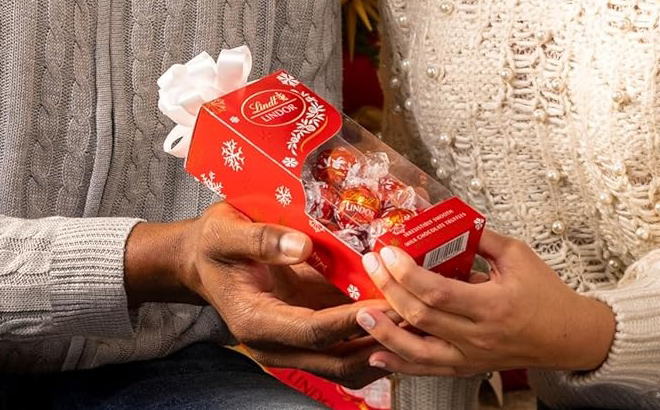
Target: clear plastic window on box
(359,188)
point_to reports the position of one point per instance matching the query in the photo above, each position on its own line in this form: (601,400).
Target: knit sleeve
(63,276)
(635,353)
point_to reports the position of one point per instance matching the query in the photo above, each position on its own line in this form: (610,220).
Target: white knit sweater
(544,115)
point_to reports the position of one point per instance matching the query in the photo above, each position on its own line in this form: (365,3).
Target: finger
(318,292)
(351,370)
(426,350)
(275,323)
(492,244)
(396,364)
(478,277)
(419,314)
(449,295)
(237,238)
(394,317)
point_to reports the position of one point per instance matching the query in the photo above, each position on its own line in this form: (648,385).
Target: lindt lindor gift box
(279,153)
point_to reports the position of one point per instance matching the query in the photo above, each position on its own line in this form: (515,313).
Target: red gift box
(252,146)
(257,148)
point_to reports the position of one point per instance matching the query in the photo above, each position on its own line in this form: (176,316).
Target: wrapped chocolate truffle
(332,166)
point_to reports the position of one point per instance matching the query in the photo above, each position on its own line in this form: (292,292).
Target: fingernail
(366,321)
(370,262)
(388,255)
(292,244)
(376,363)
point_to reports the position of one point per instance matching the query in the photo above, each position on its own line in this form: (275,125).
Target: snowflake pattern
(283,195)
(290,162)
(316,225)
(308,125)
(353,292)
(339,163)
(217,106)
(233,155)
(234,119)
(479,223)
(288,79)
(213,185)
(399,229)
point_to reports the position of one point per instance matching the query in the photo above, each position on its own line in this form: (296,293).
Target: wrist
(154,264)
(592,335)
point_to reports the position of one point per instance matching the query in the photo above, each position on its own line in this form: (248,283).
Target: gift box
(281,154)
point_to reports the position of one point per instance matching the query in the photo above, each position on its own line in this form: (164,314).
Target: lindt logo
(276,99)
(273,108)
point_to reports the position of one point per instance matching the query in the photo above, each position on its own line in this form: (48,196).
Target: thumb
(239,238)
(493,244)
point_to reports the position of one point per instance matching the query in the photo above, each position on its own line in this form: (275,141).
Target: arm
(89,271)
(635,352)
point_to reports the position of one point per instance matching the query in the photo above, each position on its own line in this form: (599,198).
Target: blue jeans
(542,406)
(202,376)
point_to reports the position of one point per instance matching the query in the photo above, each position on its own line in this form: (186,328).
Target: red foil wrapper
(357,206)
(333,227)
(396,217)
(389,184)
(323,199)
(391,221)
(332,166)
(353,238)
(394,194)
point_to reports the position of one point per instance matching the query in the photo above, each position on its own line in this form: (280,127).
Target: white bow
(185,87)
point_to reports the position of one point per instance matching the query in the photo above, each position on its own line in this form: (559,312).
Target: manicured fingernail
(376,363)
(366,321)
(388,255)
(370,263)
(292,244)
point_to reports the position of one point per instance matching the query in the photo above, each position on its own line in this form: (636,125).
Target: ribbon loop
(184,88)
(236,65)
(178,141)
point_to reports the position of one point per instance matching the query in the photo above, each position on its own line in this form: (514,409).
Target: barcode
(447,251)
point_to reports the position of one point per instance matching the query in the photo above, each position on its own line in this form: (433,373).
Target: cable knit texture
(543,115)
(435,393)
(81,160)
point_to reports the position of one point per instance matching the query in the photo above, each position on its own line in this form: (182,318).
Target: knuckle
(315,336)
(345,371)
(438,297)
(515,246)
(211,228)
(484,342)
(386,284)
(259,239)
(419,316)
(421,357)
(406,272)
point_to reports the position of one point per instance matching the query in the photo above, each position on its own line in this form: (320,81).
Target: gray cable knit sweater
(81,163)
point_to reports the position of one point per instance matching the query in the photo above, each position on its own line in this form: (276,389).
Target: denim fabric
(202,376)
(542,406)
